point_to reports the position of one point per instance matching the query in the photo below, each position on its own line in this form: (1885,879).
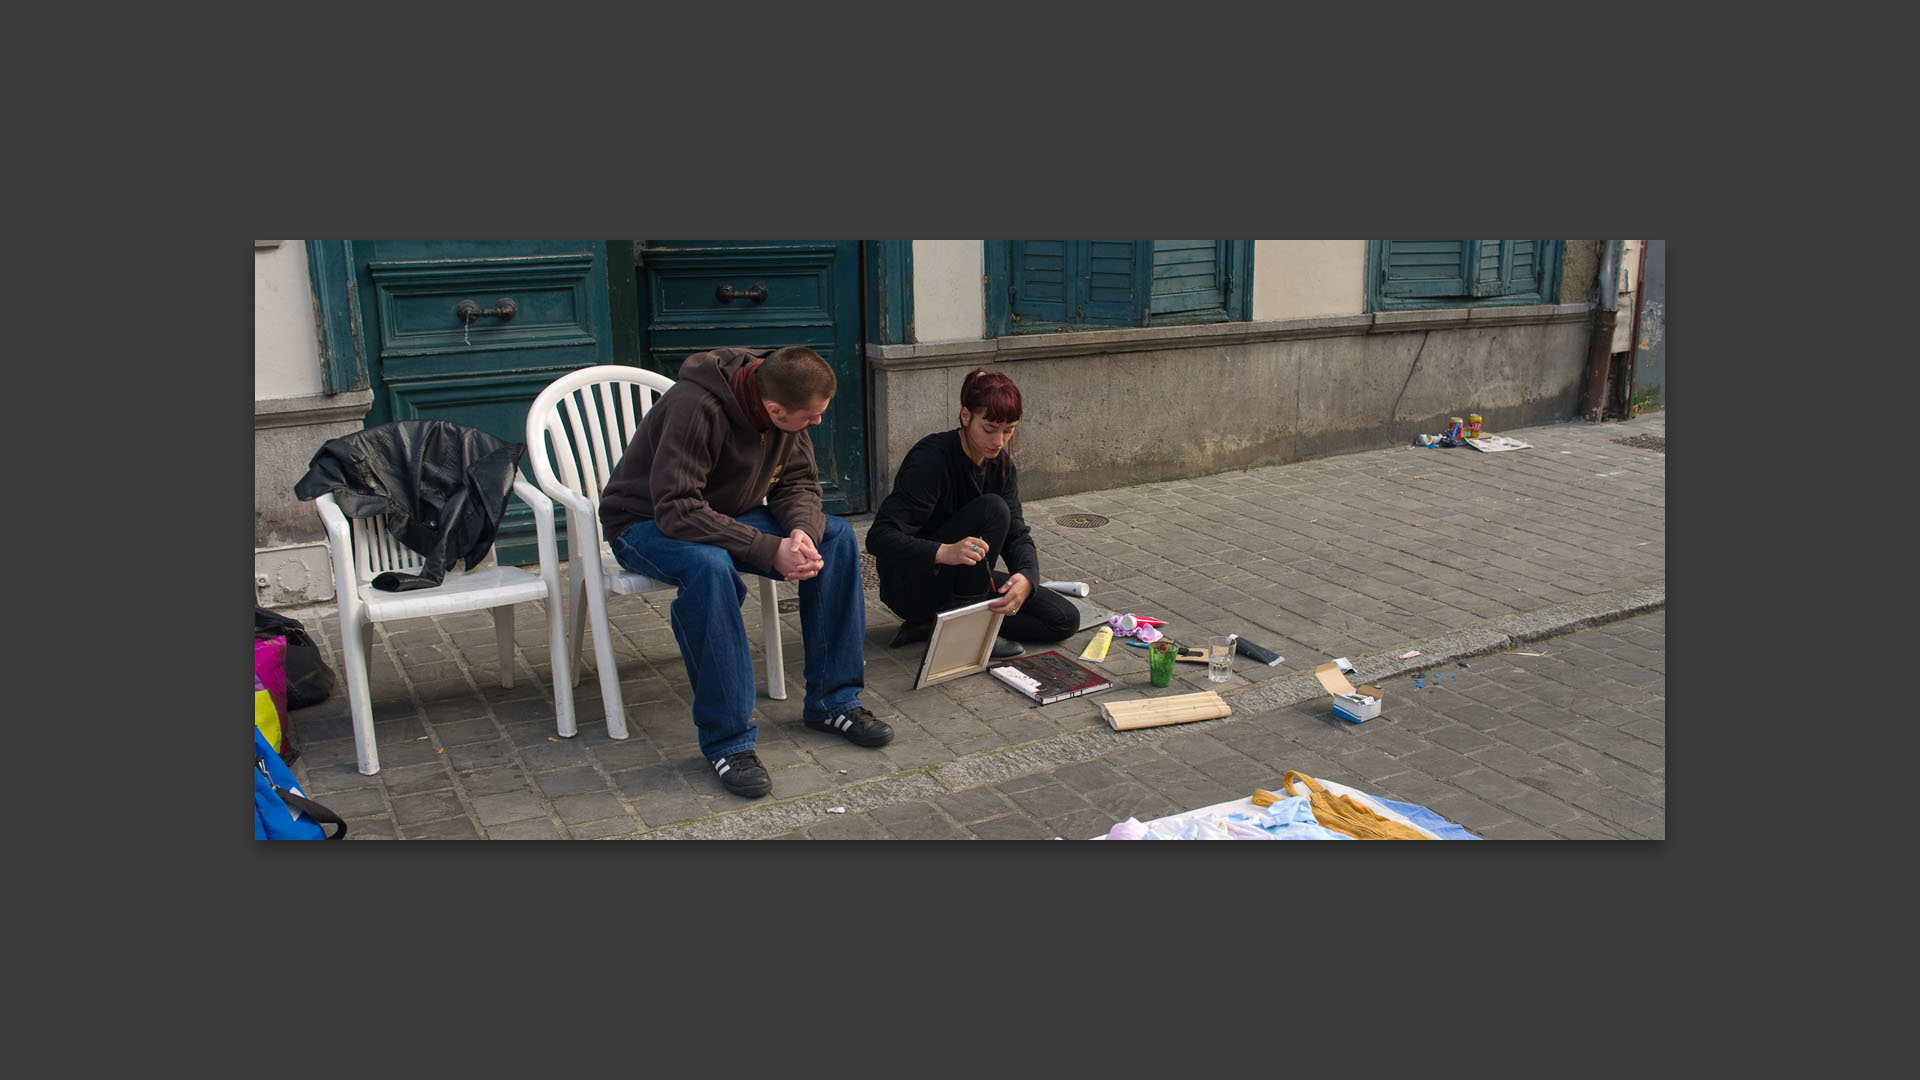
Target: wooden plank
(1155,712)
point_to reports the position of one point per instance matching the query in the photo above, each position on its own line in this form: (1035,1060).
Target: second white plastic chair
(577,430)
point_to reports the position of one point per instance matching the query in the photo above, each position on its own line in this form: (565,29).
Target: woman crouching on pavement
(953,511)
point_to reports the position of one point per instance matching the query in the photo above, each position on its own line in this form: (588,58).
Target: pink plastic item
(1138,627)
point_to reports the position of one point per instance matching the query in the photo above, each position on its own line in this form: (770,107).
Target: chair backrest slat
(595,434)
(375,551)
(563,427)
(581,425)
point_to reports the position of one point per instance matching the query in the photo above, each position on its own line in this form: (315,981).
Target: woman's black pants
(918,595)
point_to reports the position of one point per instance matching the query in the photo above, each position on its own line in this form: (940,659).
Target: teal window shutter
(1189,276)
(1524,266)
(1041,273)
(1489,260)
(1506,267)
(1116,282)
(1046,286)
(1197,281)
(1408,274)
(1421,268)
(1072,283)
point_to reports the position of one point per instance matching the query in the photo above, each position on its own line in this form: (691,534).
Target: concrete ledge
(1018,347)
(937,354)
(311,409)
(1530,315)
(1400,321)
(1478,317)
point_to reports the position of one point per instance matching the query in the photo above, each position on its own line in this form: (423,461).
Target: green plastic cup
(1160,662)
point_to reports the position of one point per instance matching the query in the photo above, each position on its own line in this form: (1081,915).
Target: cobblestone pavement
(1561,739)
(1559,549)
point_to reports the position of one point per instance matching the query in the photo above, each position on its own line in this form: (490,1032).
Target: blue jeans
(713,637)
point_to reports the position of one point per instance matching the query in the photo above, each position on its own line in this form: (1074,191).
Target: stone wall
(1116,407)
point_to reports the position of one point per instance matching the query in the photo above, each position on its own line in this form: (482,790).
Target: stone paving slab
(1452,552)
(1432,745)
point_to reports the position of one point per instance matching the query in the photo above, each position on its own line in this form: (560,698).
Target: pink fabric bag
(270,679)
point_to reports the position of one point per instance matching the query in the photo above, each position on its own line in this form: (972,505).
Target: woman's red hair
(990,394)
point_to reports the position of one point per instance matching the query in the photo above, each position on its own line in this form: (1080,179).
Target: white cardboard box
(1350,703)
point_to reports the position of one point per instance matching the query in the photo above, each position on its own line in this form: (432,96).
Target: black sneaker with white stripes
(858,725)
(741,773)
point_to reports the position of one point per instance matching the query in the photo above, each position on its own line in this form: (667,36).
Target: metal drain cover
(1656,443)
(1080,521)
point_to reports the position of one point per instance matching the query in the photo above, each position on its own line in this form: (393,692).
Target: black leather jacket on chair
(442,486)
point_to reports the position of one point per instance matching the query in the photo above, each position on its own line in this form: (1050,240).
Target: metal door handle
(503,309)
(726,293)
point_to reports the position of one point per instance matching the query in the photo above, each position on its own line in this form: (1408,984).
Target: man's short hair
(796,377)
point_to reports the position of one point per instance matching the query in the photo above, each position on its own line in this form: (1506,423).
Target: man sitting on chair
(683,506)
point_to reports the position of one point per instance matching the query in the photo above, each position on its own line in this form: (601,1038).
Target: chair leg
(557,649)
(577,603)
(355,652)
(609,671)
(776,661)
(503,633)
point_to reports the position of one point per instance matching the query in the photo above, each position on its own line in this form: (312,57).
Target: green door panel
(426,363)
(708,294)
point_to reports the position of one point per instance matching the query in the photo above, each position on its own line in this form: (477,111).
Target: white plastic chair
(363,548)
(577,430)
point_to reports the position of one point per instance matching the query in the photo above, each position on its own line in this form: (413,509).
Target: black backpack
(309,679)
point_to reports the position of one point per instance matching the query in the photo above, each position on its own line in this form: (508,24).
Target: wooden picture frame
(961,643)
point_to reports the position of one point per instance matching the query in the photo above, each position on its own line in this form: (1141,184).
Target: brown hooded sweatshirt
(698,460)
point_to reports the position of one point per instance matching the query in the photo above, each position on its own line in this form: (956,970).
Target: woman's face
(984,439)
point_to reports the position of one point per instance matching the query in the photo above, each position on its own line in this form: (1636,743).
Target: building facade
(1138,361)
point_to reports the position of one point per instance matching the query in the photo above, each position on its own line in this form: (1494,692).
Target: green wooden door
(695,295)
(425,361)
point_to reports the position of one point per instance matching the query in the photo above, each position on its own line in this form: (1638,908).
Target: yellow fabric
(1342,814)
(267,718)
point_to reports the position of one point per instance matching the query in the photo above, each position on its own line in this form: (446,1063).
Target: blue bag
(281,811)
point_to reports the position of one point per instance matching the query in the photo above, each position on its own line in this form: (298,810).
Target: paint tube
(1254,652)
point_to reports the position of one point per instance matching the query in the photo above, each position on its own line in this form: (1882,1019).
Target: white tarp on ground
(1291,818)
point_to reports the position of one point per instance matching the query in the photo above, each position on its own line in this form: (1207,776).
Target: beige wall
(286,354)
(949,280)
(292,416)
(1307,279)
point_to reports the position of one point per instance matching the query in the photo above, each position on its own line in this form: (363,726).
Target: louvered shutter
(1523,265)
(1415,268)
(1505,267)
(1080,282)
(1490,270)
(1040,279)
(1189,276)
(1116,287)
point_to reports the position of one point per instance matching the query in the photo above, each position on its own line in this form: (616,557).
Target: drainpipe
(1633,336)
(1601,352)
